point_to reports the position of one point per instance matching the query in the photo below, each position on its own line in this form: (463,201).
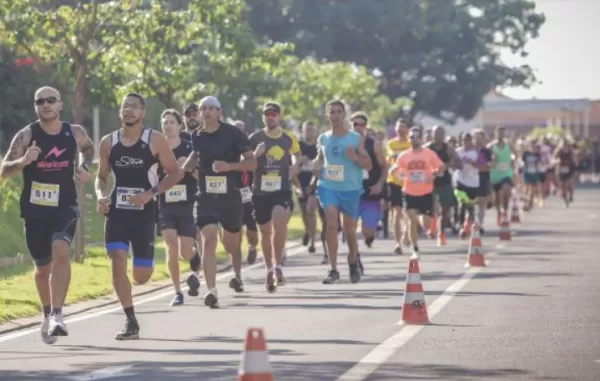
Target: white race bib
(334,172)
(365,174)
(308,166)
(246,195)
(417,177)
(176,194)
(270,183)
(44,194)
(216,184)
(502,166)
(564,170)
(124,198)
(531,169)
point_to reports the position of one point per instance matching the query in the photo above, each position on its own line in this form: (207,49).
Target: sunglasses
(49,100)
(359,124)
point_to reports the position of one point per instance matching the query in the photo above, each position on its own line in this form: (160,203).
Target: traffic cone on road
(504,232)
(515,217)
(475,256)
(255,364)
(414,310)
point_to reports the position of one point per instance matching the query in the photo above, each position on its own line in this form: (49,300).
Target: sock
(129,312)
(56,311)
(46,310)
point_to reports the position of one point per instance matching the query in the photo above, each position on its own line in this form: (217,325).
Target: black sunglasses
(357,124)
(50,100)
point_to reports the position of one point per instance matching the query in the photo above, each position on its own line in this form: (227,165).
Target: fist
(260,149)
(102,206)
(32,153)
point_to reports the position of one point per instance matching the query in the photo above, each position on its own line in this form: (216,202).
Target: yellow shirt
(394,148)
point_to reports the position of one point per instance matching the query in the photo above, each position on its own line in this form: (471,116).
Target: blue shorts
(370,213)
(345,201)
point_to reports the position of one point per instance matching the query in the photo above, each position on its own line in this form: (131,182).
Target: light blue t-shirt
(339,172)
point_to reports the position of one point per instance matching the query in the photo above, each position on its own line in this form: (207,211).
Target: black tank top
(374,173)
(134,170)
(48,183)
(310,151)
(442,153)
(184,191)
(565,158)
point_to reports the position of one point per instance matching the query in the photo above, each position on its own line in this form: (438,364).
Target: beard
(130,123)
(192,124)
(48,117)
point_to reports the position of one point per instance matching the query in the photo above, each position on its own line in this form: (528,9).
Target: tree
(444,55)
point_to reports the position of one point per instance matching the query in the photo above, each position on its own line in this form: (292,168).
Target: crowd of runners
(203,180)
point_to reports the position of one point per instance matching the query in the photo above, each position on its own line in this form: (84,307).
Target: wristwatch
(155,191)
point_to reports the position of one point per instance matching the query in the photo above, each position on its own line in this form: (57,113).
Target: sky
(566,55)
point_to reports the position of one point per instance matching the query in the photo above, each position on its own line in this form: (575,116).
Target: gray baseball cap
(210,101)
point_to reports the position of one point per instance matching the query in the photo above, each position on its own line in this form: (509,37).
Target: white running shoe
(415,255)
(57,327)
(44,331)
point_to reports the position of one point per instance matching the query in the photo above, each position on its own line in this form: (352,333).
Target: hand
(260,149)
(103,205)
(221,166)
(141,198)
(83,175)
(31,154)
(376,189)
(351,153)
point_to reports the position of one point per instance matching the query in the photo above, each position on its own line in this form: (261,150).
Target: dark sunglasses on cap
(49,100)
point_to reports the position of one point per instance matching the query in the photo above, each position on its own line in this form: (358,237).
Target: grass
(91,279)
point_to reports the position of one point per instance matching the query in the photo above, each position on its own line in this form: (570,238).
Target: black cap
(272,106)
(189,106)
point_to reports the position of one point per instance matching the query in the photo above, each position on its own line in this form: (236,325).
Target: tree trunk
(78,116)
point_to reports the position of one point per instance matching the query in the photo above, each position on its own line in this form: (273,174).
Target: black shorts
(224,209)
(265,203)
(542,176)
(566,176)
(131,228)
(485,185)
(41,231)
(395,195)
(422,204)
(500,184)
(471,192)
(249,220)
(178,217)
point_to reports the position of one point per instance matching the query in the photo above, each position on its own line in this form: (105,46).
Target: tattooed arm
(85,146)
(18,155)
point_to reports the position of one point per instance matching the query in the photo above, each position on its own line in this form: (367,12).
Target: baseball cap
(272,106)
(210,101)
(189,106)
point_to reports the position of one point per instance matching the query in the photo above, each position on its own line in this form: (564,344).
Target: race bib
(365,174)
(216,184)
(246,195)
(531,169)
(308,166)
(334,172)
(44,194)
(417,177)
(564,170)
(502,166)
(176,194)
(124,198)
(270,183)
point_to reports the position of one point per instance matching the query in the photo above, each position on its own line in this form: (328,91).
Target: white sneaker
(44,331)
(57,327)
(415,255)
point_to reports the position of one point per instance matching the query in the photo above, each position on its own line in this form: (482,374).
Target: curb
(32,321)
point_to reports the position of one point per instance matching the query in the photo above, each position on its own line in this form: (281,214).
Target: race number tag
(176,194)
(365,174)
(124,198)
(216,184)
(308,166)
(532,169)
(334,172)
(246,195)
(564,170)
(44,194)
(502,166)
(270,183)
(417,177)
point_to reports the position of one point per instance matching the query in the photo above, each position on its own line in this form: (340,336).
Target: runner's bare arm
(14,160)
(191,164)
(85,146)
(101,184)
(455,162)
(382,163)
(245,165)
(318,165)
(161,149)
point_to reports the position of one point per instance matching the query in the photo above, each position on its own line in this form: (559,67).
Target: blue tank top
(339,172)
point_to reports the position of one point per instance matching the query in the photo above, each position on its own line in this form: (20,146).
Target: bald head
(46,92)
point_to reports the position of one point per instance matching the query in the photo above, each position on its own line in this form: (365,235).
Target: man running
(306,198)
(501,172)
(467,179)
(131,154)
(373,182)
(218,147)
(45,152)
(531,161)
(418,166)
(340,161)
(176,205)
(485,187)
(395,147)
(567,165)
(249,219)
(272,189)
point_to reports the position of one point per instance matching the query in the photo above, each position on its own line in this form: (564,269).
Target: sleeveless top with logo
(339,172)
(394,148)
(48,182)
(134,171)
(310,151)
(185,190)
(371,177)
(442,152)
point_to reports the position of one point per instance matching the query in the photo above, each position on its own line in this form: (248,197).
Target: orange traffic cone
(415,309)
(515,217)
(504,232)
(255,364)
(466,230)
(475,256)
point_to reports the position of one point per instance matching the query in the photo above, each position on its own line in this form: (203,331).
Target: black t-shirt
(227,144)
(531,161)
(310,151)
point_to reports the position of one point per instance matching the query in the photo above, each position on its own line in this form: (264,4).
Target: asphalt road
(532,314)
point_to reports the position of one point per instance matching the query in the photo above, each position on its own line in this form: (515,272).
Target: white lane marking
(162,295)
(593,216)
(378,356)
(104,373)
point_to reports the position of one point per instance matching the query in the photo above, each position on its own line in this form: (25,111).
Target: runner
(249,220)
(272,189)
(567,165)
(485,186)
(466,178)
(373,182)
(45,152)
(418,166)
(306,197)
(395,147)
(530,162)
(176,206)
(131,153)
(546,169)
(501,172)
(217,149)
(339,164)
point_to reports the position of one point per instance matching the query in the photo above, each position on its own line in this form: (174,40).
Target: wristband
(155,191)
